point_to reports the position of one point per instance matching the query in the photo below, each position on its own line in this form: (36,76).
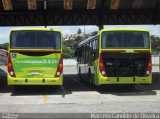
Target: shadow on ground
(123,90)
(120,90)
(4,88)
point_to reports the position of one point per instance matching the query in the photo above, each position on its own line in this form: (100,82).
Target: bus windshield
(125,39)
(35,39)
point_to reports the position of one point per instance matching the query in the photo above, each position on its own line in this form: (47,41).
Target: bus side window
(78,54)
(92,54)
(95,50)
(90,50)
(83,54)
(87,51)
(97,44)
(84,61)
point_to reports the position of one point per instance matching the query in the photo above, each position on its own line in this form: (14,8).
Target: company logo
(14,55)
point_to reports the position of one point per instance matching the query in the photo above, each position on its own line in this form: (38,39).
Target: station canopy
(78,12)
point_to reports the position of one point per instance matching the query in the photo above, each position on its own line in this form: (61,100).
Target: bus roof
(125,29)
(86,40)
(36,29)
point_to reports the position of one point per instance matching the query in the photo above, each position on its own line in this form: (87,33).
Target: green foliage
(70,46)
(4,46)
(155,42)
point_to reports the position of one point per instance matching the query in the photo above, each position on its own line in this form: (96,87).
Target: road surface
(77,97)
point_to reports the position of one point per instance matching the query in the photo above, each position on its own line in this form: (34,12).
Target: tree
(67,52)
(4,46)
(70,46)
(155,42)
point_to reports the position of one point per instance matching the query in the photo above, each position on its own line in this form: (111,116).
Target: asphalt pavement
(77,97)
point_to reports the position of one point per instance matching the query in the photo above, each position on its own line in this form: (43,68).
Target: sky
(154,29)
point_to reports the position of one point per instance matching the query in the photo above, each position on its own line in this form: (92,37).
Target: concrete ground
(77,97)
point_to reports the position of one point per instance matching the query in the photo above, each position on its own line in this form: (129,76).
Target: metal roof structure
(78,12)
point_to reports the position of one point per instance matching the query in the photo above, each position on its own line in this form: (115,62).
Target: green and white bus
(116,56)
(35,57)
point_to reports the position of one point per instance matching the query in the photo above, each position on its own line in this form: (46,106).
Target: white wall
(67,62)
(155,60)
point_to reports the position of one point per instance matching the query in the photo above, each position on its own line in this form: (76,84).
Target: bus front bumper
(35,81)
